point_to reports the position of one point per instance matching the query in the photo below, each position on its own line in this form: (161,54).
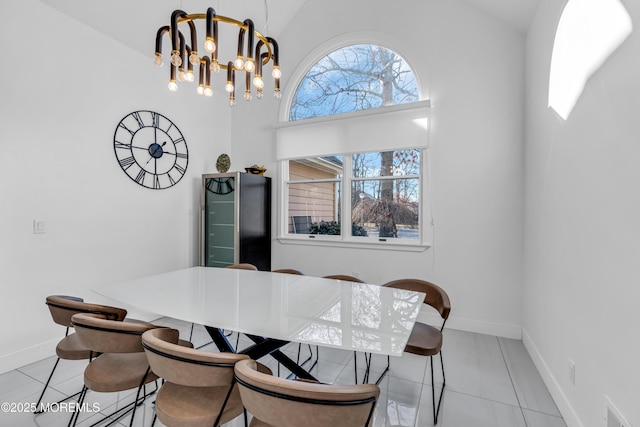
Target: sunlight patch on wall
(588,32)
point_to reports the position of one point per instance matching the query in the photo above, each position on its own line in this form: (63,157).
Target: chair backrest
(109,336)
(63,307)
(288,403)
(243,266)
(289,271)
(344,278)
(436,297)
(187,366)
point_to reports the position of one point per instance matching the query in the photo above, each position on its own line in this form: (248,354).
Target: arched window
(353,78)
(357,180)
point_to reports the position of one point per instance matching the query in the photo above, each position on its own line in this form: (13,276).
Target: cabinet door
(219,221)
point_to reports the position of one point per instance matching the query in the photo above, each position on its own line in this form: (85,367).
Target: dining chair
(121,364)
(62,308)
(426,340)
(274,401)
(289,271)
(241,266)
(198,387)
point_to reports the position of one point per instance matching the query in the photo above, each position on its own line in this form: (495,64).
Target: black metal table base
(261,347)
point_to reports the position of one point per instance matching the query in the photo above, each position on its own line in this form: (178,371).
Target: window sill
(334,242)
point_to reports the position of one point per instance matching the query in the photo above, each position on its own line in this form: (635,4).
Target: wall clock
(151,149)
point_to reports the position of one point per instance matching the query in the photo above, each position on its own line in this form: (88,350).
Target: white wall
(64,89)
(472,69)
(581,230)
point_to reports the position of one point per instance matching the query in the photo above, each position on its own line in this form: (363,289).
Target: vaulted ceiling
(134,23)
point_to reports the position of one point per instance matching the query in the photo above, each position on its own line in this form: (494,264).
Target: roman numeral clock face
(151,149)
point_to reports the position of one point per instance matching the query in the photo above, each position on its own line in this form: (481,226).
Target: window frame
(345,239)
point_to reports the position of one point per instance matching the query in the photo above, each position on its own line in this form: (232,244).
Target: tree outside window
(382,188)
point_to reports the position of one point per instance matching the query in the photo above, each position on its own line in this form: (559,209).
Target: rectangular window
(377,195)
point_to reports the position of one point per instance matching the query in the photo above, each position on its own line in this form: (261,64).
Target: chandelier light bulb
(277,94)
(249,66)
(215,67)
(238,63)
(276,73)
(157,59)
(259,95)
(175,58)
(208,91)
(173,86)
(209,45)
(190,77)
(258,82)
(247,96)
(194,58)
(200,90)
(182,76)
(229,87)
(232,102)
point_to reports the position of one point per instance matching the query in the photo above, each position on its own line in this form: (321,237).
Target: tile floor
(491,382)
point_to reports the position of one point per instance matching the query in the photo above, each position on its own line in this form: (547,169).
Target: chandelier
(250,59)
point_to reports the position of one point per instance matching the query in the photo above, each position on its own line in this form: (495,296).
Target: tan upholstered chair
(199,389)
(426,340)
(62,308)
(344,278)
(279,402)
(122,364)
(243,266)
(289,271)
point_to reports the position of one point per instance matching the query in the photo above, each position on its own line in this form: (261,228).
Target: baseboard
(503,330)
(26,356)
(559,397)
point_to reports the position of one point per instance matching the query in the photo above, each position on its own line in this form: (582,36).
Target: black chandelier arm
(161,32)
(194,38)
(250,35)
(276,51)
(182,51)
(207,70)
(174,27)
(212,33)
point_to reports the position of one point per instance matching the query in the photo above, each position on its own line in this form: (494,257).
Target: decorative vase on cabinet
(236,220)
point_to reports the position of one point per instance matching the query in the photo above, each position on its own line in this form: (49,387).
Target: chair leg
(47,383)
(436,411)
(76,413)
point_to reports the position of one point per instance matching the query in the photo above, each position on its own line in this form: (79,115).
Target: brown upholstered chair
(62,308)
(199,389)
(122,364)
(426,340)
(289,271)
(344,278)
(280,402)
(243,266)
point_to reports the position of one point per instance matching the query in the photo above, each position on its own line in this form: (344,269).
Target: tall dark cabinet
(236,220)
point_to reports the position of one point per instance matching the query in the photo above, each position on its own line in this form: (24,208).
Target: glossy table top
(305,309)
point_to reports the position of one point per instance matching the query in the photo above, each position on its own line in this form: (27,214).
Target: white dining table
(274,309)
